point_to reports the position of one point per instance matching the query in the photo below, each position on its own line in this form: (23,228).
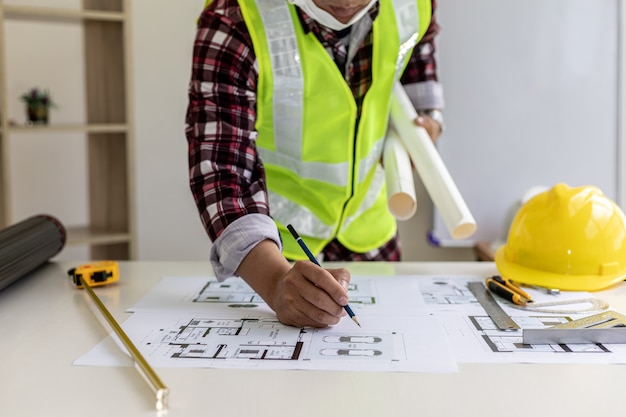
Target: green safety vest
(320,178)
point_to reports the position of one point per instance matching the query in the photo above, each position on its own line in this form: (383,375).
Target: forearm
(263,269)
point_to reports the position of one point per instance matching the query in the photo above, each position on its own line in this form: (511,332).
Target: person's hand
(302,294)
(432,126)
(311,296)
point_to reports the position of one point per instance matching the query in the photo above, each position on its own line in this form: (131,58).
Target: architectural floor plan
(269,340)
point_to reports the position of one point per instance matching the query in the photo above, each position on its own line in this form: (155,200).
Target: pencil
(314,260)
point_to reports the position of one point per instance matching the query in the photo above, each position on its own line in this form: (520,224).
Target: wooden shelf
(53,13)
(110,233)
(69,127)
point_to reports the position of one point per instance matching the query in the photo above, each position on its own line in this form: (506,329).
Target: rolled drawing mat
(399,178)
(430,167)
(28,244)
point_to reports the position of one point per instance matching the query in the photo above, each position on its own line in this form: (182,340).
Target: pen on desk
(504,292)
(314,260)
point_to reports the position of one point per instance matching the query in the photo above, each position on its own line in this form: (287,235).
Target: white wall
(168,223)
(532,94)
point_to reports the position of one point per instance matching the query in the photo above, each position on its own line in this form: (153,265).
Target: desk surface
(46,324)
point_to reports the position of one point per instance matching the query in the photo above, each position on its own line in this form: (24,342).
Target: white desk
(40,380)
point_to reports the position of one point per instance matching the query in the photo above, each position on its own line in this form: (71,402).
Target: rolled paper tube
(430,167)
(28,244)
(399,178)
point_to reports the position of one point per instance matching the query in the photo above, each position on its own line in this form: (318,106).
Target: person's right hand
(301,295)
(311,296)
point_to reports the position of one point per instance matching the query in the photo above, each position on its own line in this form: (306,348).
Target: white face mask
(325,18)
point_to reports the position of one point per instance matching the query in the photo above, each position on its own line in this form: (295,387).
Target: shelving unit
(110,232)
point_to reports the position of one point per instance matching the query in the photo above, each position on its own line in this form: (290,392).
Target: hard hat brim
(546,279)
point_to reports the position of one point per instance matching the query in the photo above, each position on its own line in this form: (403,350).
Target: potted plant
(38,102)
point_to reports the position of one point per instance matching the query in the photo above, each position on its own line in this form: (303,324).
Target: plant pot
(37,114)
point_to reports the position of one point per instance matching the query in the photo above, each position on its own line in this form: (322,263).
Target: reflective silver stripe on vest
(307,223)
(371,160)
(373,192)
(336,174)
(407,19)
(302,219)
(287,74)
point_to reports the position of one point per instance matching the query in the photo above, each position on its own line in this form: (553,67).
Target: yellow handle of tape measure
(96,273)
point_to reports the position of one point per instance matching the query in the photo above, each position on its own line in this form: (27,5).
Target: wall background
(532,101)
(162,35)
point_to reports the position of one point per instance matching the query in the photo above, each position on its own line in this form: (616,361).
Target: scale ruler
(491,306)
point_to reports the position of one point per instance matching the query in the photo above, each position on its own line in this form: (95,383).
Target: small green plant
(36,97)
(38,102)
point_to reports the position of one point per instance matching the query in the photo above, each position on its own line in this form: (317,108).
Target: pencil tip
(356,321)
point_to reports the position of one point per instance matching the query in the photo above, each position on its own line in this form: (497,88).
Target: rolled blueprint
(430,167)
(28,244)
(399,177)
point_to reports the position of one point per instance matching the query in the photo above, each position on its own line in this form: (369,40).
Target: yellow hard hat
(573,239)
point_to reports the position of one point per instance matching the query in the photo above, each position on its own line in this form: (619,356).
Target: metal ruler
(491,306)
(552,336)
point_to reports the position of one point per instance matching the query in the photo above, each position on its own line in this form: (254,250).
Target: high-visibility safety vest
(321,177)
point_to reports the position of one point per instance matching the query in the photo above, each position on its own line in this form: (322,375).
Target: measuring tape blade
(491,306)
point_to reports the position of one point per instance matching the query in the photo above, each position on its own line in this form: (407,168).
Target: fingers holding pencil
(310,296)
(313,259)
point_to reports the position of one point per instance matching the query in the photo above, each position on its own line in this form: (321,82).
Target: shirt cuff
(238,239)
(425,95)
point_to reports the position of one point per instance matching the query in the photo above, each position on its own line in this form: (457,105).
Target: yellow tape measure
(96,273)
(106,272)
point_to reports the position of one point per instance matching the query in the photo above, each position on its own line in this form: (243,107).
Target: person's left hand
(432,127)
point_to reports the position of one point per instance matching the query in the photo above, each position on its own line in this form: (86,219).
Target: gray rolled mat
(28,244)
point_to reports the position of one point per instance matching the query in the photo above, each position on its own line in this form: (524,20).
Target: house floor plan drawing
(265,339)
